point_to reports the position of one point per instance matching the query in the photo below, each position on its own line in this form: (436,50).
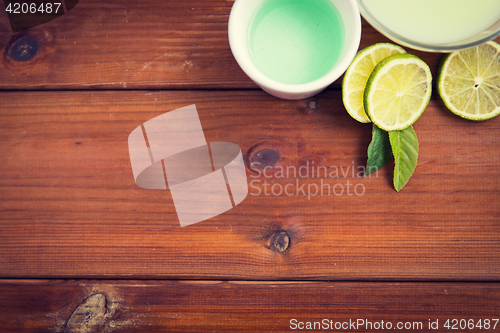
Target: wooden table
(84,249)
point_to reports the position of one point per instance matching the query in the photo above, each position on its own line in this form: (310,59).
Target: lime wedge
(398,91)
(356,76)
(469,82)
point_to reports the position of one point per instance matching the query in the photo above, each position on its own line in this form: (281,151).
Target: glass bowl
(488,34)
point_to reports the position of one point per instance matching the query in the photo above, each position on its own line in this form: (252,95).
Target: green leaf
(405,149)
(379,150)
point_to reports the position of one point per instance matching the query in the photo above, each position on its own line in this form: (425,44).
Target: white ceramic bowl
(239,21)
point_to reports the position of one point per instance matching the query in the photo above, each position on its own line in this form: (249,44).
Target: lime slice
(469,82)
(398,91)
(356,76)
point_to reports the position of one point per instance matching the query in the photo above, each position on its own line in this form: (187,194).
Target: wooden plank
(70,208)
(235,306)
(126,44)
(123,44)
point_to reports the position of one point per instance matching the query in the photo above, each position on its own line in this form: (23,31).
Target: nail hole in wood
(280,242)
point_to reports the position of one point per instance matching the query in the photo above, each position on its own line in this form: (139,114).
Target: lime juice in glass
(438,24)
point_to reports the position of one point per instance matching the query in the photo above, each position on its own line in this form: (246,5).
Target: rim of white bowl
(242,56)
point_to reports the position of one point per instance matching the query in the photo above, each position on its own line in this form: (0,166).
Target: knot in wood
(90,315)
(23,49)
(280,241)
(264,158)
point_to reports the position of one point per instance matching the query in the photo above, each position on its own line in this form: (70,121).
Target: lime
(356,76)
(398,91)
(469,82)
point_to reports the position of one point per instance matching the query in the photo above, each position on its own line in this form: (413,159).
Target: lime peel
(397,92)
(469,82)
(356,77)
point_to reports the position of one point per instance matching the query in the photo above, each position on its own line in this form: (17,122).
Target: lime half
(398,91)
(356,76)
(469,82)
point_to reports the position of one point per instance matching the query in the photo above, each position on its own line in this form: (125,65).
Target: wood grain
(70,208)
(235,306)
(127,44)
(123,44)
